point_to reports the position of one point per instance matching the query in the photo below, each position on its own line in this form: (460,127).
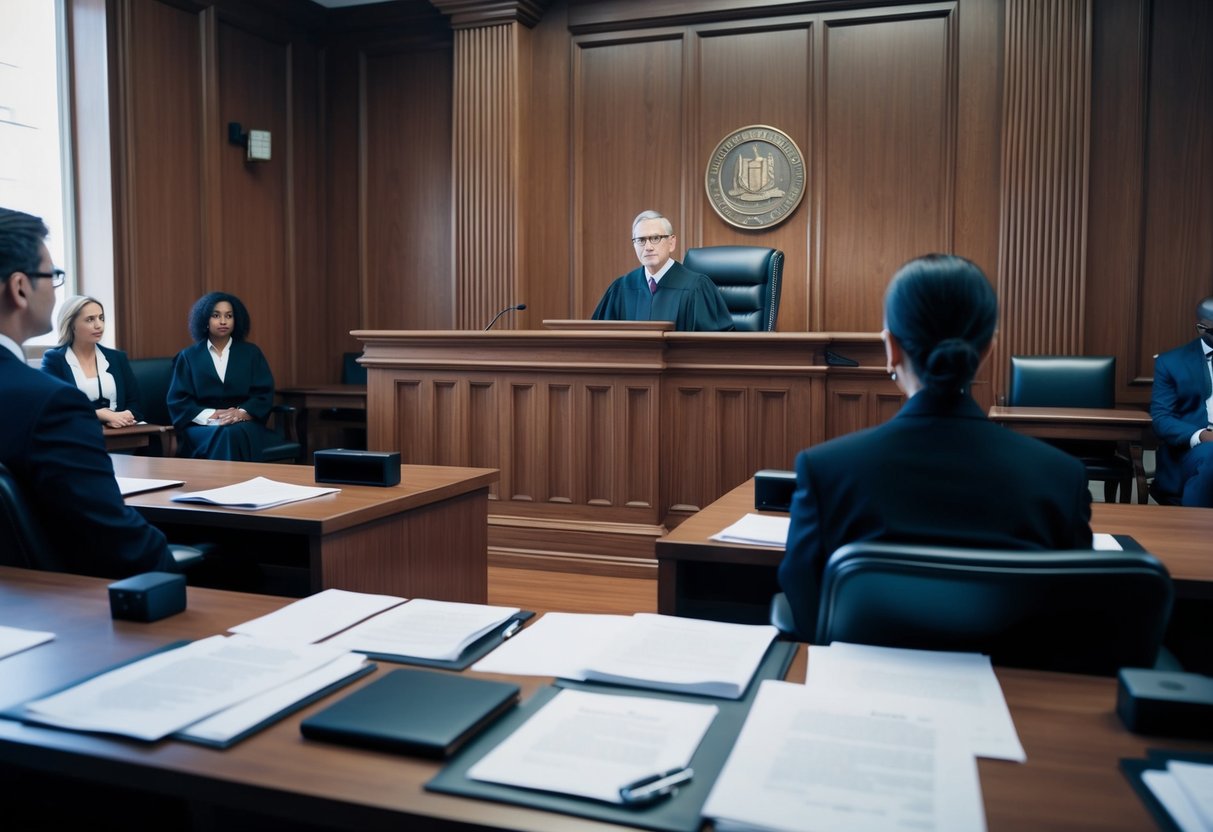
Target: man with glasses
(662,289)
(51,440)
(1182,408)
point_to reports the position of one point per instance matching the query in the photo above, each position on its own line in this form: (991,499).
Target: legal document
(256,493)
(318,616)
(424,629)
(663,652)
(757,529)
(961,684)
(14,640)
(153,697)
(839,761)
(594,744)
(1104,542)
(1185,790)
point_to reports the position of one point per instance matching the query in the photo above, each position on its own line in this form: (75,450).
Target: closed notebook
(414,712)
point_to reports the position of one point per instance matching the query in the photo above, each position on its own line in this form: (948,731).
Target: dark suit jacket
(51,441)
(690,299)
(55,362)
(1177,406)
(938,472)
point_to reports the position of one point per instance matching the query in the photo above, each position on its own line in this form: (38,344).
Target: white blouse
(102,386)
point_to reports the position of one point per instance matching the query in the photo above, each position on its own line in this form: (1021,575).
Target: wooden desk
(1134,428)
(310,401)
(1067,725)
(424,537)
(703,578)
(140,436)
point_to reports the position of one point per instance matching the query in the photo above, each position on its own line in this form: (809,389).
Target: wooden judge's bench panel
(606,439)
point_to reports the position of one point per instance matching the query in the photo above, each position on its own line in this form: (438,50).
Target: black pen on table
(654,786)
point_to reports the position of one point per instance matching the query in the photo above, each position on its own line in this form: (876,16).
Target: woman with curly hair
(222,389)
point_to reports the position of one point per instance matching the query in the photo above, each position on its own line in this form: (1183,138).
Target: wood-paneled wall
(1067,147)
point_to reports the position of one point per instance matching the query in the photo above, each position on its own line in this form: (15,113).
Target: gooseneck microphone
(517,308)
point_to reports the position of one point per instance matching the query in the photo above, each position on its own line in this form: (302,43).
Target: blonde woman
(102,374)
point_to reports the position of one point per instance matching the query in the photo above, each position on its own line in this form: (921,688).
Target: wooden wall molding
(1046,156)
(466,14)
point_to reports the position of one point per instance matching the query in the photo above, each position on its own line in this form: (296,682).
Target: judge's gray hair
(652,215)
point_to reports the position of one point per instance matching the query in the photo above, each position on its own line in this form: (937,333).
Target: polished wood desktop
(311,400)
(608,436)
(1133,428)
(704,578)
(137,437)
(1066,723)
(426,536)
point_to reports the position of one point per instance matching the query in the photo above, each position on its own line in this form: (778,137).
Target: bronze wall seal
(755,177)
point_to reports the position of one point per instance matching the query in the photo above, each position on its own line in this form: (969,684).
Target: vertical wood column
(1045,162)
(492,60)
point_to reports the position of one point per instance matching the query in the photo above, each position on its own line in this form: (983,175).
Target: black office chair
(1076,381)
(286,447)
(24,544)
(749,277)
(153,376)
(1078,611)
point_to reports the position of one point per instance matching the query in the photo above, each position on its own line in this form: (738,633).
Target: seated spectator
(102,374)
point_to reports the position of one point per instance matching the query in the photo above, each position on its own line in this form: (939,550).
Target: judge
(662,289)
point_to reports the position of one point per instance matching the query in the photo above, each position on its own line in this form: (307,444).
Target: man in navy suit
(51,440)
(1182,408)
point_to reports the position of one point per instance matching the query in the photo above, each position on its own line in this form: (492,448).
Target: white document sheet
(163,693)
(256,493)
(757,529)
(962,684)
(137,485)
(14,640)
(555,645)
(424,628)
(234,721)
(1196,780)
(593,744)
(1166,788)
(832,761)
(1104,542)
(318,616)
(688,655)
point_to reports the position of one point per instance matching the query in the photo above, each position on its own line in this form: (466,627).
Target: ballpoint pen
(514,627)
(650,788)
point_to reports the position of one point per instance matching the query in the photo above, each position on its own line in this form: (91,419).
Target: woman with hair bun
(939,472)
(222,389)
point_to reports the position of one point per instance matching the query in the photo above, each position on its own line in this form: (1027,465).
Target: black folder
(418,712)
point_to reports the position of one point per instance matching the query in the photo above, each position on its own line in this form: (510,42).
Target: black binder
(418,712)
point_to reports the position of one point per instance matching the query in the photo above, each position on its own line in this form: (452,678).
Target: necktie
(652,286)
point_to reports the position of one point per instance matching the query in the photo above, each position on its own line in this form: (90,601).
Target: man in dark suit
(662,289)
(1182,408)
(939,472)
(51,440)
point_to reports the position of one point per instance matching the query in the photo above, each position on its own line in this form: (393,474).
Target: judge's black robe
(247,384)
(689,299)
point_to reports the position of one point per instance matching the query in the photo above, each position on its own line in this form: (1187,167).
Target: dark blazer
(54,361)
(938,472)
(1177,406)
(51,441)
(690,299)
(195,386)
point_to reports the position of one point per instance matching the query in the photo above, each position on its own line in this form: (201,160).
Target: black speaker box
(149,596)
(773,490)
(1166,703)
(358,467)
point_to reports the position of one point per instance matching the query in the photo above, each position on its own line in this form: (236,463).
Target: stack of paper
(14,640)
(1185,790)
(687,655)
(822,760)
(256,493)
(318,616)
(424,629)
(757,529)
(168,691)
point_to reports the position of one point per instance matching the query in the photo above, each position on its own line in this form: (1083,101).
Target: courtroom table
(1133,428)
(1066,723)
(703,578)
(426,536)
(139,436)
(309,401)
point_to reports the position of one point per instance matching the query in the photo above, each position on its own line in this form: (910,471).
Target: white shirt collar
(669,264)
(12,346)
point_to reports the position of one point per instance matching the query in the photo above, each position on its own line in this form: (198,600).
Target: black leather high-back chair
(1075,381)
(22,542)
(749,277)
(153,376)
(1077,611)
